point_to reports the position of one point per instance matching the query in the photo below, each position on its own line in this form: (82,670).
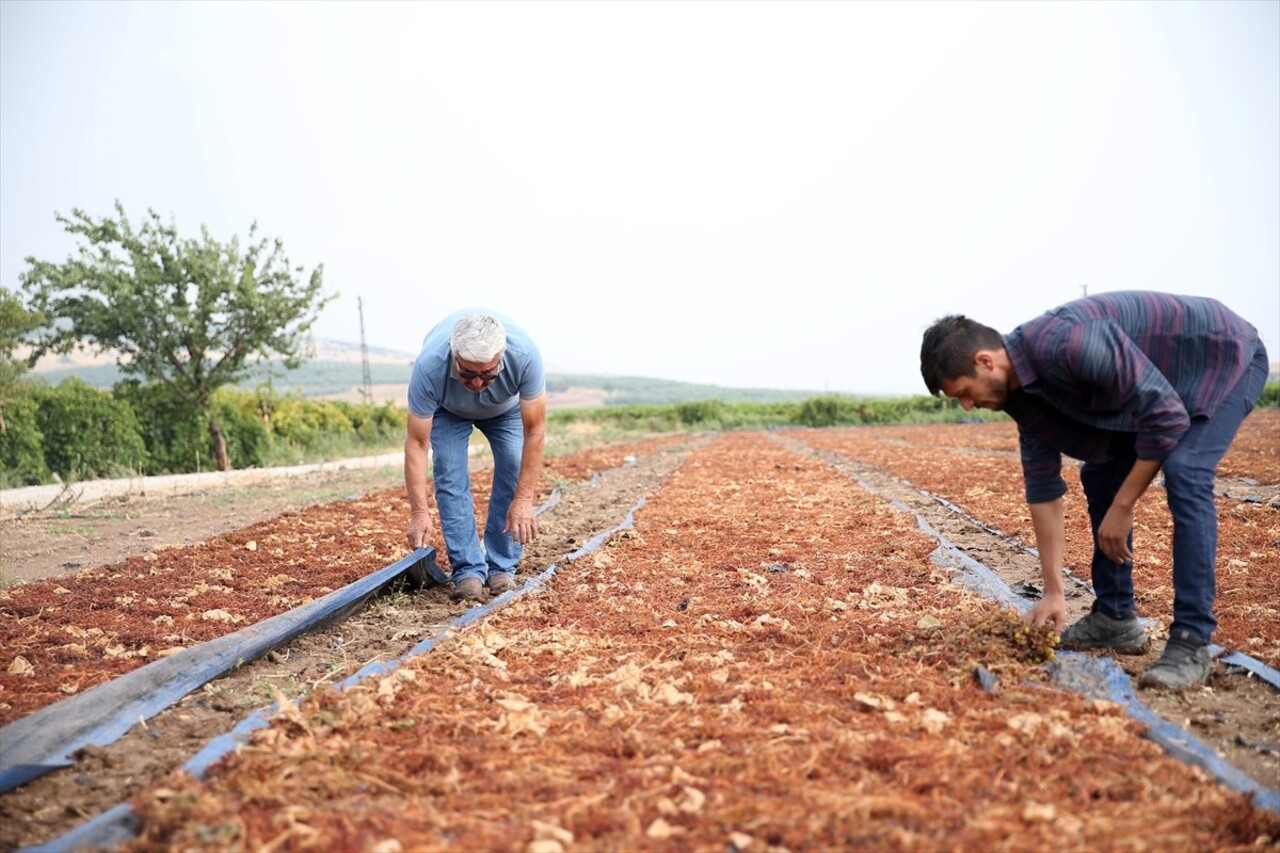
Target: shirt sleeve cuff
(1048,489)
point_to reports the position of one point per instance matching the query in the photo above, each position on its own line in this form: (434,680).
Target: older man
(477,370)
(1129,383)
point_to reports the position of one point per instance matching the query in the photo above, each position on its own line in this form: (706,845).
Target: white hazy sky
(757,194)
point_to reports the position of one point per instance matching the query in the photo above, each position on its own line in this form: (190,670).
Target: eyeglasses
(470,375)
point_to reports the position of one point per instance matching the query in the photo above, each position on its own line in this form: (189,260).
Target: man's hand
(1050,610)
(1113,533)
(420,530)
(522,524)
(417,455)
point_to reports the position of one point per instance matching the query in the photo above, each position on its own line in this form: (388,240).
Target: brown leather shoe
(468,589)
(500,582)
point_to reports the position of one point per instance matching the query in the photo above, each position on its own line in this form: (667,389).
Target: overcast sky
(757,194)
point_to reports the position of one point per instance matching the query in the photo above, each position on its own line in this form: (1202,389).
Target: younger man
(1130,383)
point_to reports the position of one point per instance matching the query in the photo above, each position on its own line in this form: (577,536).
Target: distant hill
(321,349)
(335,373)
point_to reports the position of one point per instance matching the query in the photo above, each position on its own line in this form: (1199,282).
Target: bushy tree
(192,314)
(21,442)
(15,324)
(87,433)
(173,437)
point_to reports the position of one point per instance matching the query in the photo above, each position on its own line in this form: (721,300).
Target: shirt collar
(1018,358)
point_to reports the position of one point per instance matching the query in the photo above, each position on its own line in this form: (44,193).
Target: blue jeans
(450,437)
(1189,471)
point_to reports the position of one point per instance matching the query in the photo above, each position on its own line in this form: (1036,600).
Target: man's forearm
(1136,483)
(415,475)
(531,465)
(1047,522)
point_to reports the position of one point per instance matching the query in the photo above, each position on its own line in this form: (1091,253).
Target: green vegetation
(192,315)
(87,433)
(73,430)
(76,432)
(22,443)
(824,411)
(632,390)
(1270,398)
(15,324)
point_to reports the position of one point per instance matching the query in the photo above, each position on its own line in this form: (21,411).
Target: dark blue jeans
(1189,472)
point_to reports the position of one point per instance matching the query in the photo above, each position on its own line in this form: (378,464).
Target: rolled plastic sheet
(112,828)
(1102,678)
(45,740)
(1240,660)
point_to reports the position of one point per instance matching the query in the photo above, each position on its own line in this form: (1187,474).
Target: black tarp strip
(44,741)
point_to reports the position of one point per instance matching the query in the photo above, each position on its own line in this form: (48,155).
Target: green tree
(87,433)
(191,314)
(15,323)
(21,442)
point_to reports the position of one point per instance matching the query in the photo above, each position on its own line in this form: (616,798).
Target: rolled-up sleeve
(1041,470)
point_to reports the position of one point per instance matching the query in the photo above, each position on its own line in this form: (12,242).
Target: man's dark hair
(949,346)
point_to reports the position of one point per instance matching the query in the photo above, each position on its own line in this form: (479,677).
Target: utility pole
(1084,290)
(366,390)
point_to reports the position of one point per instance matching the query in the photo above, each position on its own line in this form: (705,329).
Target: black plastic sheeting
(119,824)
(995,532)
(1101,677)
(44,741)
(1240,660)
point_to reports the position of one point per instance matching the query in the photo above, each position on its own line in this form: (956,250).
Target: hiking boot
(1099,631)
(1185,663)
(500,582)
(468,589)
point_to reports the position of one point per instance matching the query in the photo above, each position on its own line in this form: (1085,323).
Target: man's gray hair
(478,338)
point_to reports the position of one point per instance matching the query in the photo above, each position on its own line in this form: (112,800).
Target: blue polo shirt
(434,383)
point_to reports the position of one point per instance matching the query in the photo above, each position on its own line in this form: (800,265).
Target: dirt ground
(63,539)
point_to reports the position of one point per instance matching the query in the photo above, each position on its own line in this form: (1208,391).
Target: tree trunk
(219,446)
